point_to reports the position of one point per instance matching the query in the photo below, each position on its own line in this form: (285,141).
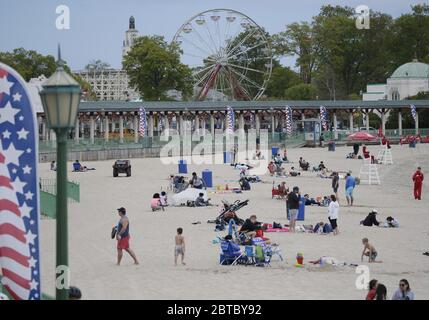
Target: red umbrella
(361,135)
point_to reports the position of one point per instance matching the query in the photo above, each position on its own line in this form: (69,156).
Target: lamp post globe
(60,98)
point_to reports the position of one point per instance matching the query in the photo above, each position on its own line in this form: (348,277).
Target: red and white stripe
(14,250)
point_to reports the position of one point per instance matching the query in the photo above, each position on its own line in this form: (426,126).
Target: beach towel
(277,230)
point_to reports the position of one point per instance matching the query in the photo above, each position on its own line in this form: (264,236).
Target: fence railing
(85,144)
(48,191)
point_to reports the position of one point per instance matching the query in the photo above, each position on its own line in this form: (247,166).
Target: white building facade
(113,84)
(406,81)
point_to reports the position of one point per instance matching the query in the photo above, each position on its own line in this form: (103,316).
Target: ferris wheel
(229,54)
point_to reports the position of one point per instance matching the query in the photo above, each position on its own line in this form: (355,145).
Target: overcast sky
(97,27)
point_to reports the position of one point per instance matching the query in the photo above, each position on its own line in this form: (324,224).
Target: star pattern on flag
(8,113)
(6,134)
(29,195)
(26,169)
(19,185)
(5,85)
(12,155)
(17,97)
(22,134)
(25,210)
(30,237)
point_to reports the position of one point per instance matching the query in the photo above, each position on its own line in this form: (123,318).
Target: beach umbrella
(362,136)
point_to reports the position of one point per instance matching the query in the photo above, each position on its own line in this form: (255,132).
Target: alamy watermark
(62,21)
(362,19)
(243,147)
(62,281)
(362,280)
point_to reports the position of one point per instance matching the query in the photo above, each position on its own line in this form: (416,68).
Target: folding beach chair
(229,255)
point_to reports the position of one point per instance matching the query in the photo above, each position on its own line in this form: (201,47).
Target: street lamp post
(60,98)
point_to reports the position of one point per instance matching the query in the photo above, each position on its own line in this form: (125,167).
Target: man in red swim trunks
(418,183)
(123,236)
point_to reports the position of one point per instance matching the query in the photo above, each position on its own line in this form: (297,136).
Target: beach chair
(231,254)
(265,252)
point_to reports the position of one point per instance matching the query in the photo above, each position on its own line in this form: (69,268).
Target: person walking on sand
(179,249)
(333,210)
(418,183)
(350,186)
(123,236)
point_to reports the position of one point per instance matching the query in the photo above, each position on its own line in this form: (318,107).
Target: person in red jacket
(418,183)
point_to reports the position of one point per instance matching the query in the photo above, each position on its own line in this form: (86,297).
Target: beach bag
(277,225)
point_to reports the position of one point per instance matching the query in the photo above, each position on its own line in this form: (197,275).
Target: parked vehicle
(122,166)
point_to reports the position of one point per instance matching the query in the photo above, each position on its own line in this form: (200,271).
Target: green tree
(31,64)
(281,79)
(154,67)
(97,65)
(301,91)
(298,41)
(349,58)
(410,36)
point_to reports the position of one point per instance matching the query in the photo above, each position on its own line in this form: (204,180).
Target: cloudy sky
(97,26)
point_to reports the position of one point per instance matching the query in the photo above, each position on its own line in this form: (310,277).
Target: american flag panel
(19,191)
(142,122)
(413,112)
(230,119)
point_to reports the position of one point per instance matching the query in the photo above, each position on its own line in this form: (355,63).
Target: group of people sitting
(319,201)
(179,183)
(77,167)
(371,220)
(159,201)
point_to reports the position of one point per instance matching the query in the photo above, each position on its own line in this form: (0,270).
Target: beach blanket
(277,230)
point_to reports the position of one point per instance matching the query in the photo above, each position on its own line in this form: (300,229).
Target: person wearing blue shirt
(350,185)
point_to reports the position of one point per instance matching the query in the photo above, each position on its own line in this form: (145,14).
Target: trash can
(227,157)
(207,177)
(274,151)
(412,144)
(183,166)
(331,146)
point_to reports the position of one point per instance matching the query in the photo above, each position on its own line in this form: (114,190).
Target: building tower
(130,35)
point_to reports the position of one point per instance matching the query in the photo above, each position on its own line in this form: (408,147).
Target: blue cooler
(301,210)
(183,166)
(227,157)
(207,178)
(274,151)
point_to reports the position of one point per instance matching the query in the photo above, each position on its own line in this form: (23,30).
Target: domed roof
(412,69)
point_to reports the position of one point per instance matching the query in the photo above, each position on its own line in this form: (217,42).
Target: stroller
(228,212)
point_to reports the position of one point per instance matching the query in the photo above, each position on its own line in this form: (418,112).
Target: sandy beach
(93,253)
